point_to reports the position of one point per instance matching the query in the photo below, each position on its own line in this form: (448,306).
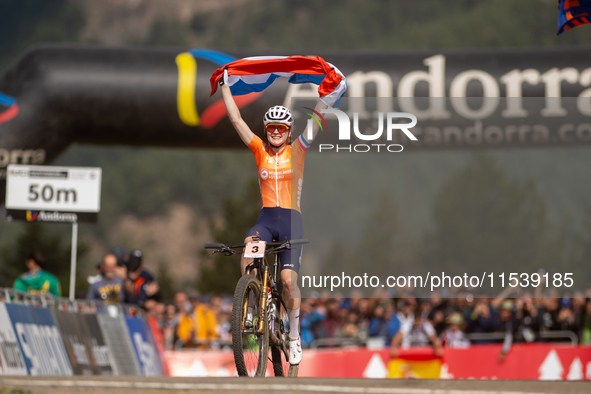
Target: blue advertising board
(144,347)
(40,341)
(11,359)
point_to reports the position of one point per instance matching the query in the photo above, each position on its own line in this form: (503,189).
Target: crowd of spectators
(191,321)
(203,322)
(122,278)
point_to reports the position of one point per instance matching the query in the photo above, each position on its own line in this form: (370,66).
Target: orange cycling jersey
(277,170)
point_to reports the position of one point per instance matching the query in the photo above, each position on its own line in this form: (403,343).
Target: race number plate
(255,249)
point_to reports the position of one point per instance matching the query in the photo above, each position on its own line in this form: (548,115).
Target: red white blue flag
(255,74)
(573,13)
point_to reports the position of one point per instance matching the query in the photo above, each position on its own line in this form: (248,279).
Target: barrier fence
(562,336)
(45,335)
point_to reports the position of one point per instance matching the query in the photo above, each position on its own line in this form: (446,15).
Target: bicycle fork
(263,306)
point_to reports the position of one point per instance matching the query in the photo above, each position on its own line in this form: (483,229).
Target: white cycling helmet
(278,114)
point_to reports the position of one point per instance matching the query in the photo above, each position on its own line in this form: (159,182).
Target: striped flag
(255,74)
(573,13)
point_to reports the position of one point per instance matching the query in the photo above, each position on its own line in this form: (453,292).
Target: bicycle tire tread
(246,282)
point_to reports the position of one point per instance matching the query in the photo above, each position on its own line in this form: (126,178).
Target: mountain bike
(259,293)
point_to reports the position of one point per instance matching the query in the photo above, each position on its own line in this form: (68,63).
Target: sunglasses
(281,128)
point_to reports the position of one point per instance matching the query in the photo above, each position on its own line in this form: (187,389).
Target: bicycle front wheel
(251,349)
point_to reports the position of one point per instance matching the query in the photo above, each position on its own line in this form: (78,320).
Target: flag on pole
(255,74)
(573,13)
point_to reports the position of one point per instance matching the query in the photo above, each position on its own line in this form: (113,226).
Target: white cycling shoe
(295,351)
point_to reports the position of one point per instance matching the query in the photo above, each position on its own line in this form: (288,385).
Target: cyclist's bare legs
(292,298)
(291,291)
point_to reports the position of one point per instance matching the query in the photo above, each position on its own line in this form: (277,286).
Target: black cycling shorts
(274,225)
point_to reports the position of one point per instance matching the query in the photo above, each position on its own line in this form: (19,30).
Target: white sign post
(54,194)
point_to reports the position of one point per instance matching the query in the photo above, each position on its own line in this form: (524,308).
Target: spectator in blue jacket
(311,317)
(140,285)
(482,318)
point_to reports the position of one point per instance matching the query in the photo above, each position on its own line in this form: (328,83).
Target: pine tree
(240,213)
(484,221)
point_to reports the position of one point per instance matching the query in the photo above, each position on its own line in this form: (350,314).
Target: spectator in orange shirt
(199,327)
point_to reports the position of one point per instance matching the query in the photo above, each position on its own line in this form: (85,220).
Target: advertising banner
(118,341)
(525,361)
(84,343)
(11,358)
(170,91)
(40,340)
(93,338)
(155,342)
(341,363)
(144,347)
(194,363)
(74,340)
(154,330)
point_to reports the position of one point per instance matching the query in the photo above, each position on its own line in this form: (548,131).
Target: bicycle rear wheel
(281,366)
(251,350)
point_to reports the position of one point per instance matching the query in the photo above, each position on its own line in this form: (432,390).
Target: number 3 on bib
(255,249)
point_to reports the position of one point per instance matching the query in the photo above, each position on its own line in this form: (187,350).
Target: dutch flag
(255,74)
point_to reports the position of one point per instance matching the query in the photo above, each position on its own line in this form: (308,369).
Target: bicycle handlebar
(299,241)
(213,246)
(236,246)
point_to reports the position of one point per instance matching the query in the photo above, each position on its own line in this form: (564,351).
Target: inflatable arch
(53,96)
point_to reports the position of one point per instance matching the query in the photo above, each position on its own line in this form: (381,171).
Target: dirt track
(133,384)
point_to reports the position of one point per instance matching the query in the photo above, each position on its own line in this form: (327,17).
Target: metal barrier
(64,304)
(182,345)
(569,336)
(337,342)
(500,336)
(560,334)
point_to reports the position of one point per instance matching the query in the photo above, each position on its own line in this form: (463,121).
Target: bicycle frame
(263,274)
(270,289)
(262,267)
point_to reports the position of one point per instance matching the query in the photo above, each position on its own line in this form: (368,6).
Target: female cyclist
(279,162)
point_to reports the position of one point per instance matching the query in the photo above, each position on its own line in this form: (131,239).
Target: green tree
(240,213)
(384,25)
(382,249)
(577,252)
(24,23)
(165,33)
(37,236)
(165,282)
(485,221)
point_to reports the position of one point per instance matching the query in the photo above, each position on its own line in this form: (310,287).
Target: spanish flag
(573,13)
(415,363)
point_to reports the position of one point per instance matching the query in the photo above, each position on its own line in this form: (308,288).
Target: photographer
(140,284)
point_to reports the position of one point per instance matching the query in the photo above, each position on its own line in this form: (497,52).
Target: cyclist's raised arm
(320,106)
(240,125)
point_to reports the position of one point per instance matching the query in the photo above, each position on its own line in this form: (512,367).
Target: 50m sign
(51,193)
(47,193)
